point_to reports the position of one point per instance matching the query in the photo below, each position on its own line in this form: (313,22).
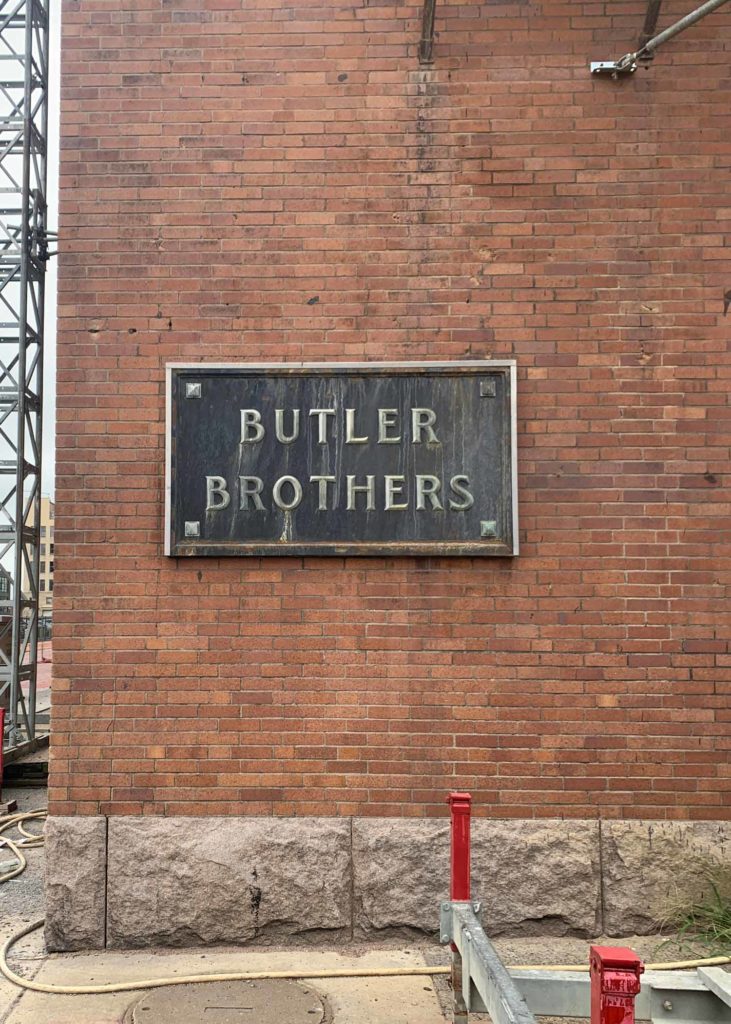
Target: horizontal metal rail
(665,996)
(614,990)
(518,996)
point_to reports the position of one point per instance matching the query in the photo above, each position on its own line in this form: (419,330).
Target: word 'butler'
(341,459)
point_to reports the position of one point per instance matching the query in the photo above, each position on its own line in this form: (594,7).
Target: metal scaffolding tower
(24,42)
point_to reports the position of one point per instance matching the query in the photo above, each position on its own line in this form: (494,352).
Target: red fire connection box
(615,981)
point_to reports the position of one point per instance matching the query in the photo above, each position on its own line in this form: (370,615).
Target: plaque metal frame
(191,545)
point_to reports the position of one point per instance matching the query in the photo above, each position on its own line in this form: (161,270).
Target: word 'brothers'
(360,493)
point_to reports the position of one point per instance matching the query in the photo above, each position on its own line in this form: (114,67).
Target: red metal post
(615,981)
(2,741)
(460,805)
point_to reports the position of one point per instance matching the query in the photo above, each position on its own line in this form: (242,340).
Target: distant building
(45,572)
(45,575)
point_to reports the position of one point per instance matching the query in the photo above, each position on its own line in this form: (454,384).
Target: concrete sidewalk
(351,1000)
(396,1000)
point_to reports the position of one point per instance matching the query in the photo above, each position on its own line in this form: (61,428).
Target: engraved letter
(369,488)
(296,486)
(322,415)
(428,487)
(216,485)
(250,487)
(394,486)
(322,482)
(279,426)
(423,419)
(251,428)
(350,429)
(387,418)
(459,485)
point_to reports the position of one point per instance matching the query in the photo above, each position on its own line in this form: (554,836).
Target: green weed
(708,921)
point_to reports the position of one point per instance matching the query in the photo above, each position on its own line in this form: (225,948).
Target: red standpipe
(460,805)
(615,981)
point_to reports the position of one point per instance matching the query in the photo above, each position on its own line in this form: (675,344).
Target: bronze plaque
(341,459)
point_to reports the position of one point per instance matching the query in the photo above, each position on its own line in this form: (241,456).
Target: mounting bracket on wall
(628,64)
(426,43)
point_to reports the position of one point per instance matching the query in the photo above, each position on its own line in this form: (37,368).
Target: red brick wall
(265,181)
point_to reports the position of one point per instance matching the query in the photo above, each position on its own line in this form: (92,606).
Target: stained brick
(223,163)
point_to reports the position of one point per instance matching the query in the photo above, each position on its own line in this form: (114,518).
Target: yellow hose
(303,973)
(134,986)
(190,979)
(668,965)
(14,845)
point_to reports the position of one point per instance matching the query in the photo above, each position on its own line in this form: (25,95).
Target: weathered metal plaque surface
(341,459)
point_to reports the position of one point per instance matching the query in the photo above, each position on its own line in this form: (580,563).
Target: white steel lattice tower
(23,254)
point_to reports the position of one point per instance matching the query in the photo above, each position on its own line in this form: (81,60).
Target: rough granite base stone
(533,877)
(194,881)
(76,864)
(538,877)
(400,874)
(651,868)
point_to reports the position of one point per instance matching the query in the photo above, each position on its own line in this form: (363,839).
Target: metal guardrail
(480,981)
(614,990)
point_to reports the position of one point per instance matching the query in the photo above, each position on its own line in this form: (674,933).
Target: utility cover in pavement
(230,1002)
